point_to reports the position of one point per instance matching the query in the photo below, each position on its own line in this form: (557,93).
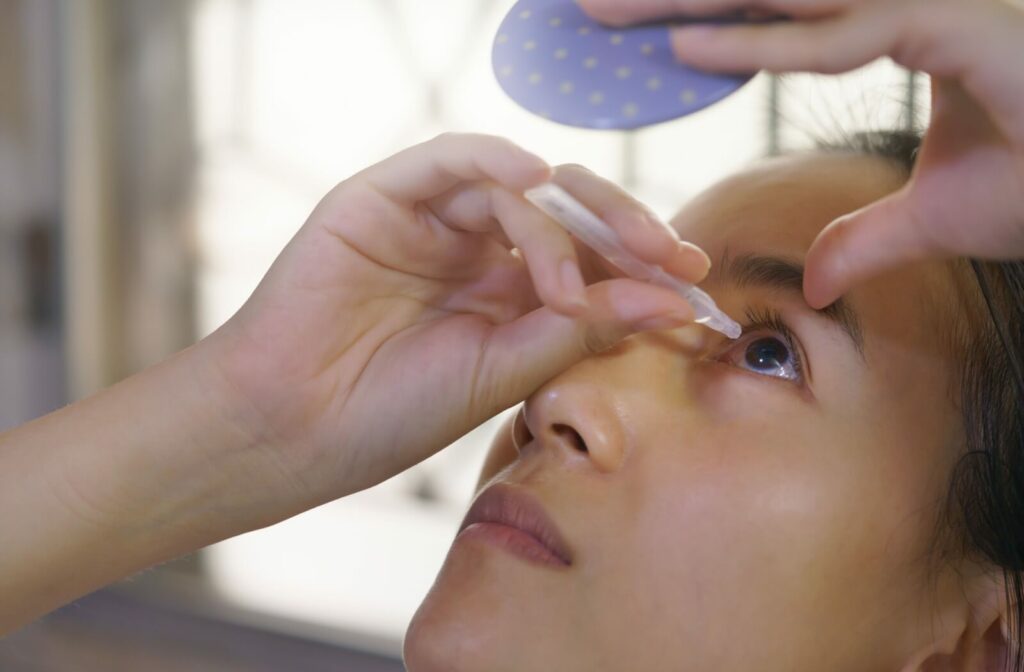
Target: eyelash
(771,320)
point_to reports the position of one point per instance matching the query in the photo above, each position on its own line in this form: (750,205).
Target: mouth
(513,520)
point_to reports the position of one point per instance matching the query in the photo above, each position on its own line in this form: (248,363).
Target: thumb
(619,13)
(524,354)
(863,244)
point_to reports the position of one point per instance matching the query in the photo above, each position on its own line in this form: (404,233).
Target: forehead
(780,205)
(778,208)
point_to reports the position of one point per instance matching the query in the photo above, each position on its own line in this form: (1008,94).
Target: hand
(966,196)
(423,296)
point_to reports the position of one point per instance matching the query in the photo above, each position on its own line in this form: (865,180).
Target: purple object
(557,62)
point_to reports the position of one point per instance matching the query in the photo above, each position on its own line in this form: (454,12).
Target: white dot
(502,39)
(525,14)
(688,96)
(530,46)
(653,83)
(555,22)
(596,98)
(546,114)
(507,71)
(623,73)
(590,63)
(562,54)
(584,30)
(647,49)
(617,39)
(630,110)
(567,88)
(535,78)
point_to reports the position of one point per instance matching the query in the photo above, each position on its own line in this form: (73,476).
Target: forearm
(145,471)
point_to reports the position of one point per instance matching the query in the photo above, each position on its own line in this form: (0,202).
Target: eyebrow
(788,275)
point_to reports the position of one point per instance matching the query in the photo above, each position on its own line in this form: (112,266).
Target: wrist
(170,461)
(215,473)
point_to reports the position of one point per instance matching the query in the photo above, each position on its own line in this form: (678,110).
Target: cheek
(753,515)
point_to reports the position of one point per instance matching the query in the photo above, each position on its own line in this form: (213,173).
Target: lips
(525,524)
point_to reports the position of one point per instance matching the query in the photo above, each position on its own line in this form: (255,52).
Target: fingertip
(698,259)
(527,176)
(537,172)
(688,262)
(516,167)
(561,288)
(825,268)
(818,292)
(573,297)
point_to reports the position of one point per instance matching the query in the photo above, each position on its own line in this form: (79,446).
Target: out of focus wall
(31,346)
(128,164)
(96,172)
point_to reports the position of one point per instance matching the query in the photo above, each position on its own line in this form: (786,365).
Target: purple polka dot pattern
(558,63)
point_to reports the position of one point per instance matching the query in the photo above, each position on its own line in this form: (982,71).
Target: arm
(304,396)
(111,485)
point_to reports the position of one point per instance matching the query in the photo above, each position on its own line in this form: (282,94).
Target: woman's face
(762,504)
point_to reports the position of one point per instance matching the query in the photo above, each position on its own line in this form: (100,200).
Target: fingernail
(572,283)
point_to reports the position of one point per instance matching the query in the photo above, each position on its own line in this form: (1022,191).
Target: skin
(971,165)
(727,520)
(431,262)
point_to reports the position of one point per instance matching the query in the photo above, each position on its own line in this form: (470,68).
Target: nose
(577,420)
(593,413)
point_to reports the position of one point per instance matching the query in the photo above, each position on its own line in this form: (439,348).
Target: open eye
(768,356)
(767,348)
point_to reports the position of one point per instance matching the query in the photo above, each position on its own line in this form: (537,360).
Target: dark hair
(985,501)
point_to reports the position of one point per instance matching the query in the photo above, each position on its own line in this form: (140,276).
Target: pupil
(767,353)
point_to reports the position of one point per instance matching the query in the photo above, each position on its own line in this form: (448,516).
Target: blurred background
(155,155)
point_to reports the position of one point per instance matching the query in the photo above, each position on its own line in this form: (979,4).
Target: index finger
(433,167)
(642,232)
(626,12)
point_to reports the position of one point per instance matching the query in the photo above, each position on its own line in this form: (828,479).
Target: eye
(768,356)
(767,348)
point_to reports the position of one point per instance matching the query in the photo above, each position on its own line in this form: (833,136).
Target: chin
(454,628)
(450,632)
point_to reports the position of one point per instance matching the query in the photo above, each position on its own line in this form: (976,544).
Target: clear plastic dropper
(602,238)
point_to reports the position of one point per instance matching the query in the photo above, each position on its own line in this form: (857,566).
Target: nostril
(572,436)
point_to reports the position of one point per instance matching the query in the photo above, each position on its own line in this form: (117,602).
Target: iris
(767,355)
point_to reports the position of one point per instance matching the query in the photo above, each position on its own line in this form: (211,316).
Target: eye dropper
(602,238)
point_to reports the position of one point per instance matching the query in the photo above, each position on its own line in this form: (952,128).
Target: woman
(798,499)
(400,317)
